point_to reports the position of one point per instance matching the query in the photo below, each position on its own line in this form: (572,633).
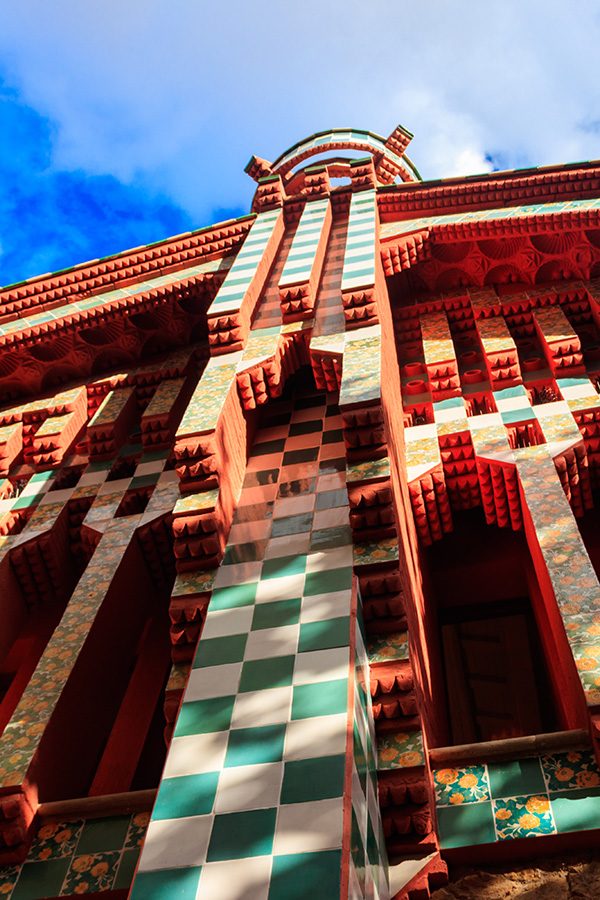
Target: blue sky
(126,121)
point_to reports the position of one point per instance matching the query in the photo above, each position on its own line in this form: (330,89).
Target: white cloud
(178,94)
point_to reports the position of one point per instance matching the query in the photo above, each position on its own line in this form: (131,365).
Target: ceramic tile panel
(390,229)
(361,372)
(438,345)
(108,298)
(164,397)
(570,569)
(112,406)
(519,798)
(204,408)
(255,773)
(78,856)
(24,731)
(422,450)
(241,274)
(301,257)
(359,256)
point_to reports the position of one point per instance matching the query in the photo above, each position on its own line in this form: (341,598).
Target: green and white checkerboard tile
(237,281)
(359,258)
(369,865)
(252,803)
(301,258)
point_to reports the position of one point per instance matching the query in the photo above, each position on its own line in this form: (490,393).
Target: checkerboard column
(269,789)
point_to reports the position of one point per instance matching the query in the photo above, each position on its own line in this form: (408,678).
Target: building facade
(299,545)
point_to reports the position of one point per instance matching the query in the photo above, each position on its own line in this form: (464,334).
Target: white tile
(321,736)
(293,506)
(298,471)
(331,518)
(303,441)
(280,588)
(308,414)
(321,665)
(332,482)
(324,560)
(325,606)
(221,622)
(236,879)
(149,468)
(303,827)
(238,573)
(176,842)
(268,707)
(249,787)
(245,532)
(113,487)
(92,478)
(265,461)
(267,642)
(168,477)
(196,753)
(332,451)
(213,681)
(287,545)
(56,496)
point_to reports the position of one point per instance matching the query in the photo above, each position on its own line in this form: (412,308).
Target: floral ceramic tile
(523,817)
(137,830)
(575,769)
(370,470)
(193,583)
(382,551)
(91,872)
(388,646)
(400,751)
(8,879)
(55,840)
(468,784)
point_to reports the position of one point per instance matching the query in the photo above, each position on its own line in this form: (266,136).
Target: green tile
(283,566)
(310,427)
(103,834)
(268,447)
(313,779)
(41,879)
(233,596)
(332,499)
(248,746)
(242,834)
(126,869)
(325,582)
(577,810)
(277,613)
(292,457)
(520,776)
(335,436)
(251,551)
(220,650)
(299,524)
(166,884)
(204,716)
(326,698)
(325,634)
(259,674)
(328,538)
(300,875)
(188,795)
(460,826)
(141,481)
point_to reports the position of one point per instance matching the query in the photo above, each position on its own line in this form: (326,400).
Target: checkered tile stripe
(238,279)
(301,257)
(252,797)
(359,258)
